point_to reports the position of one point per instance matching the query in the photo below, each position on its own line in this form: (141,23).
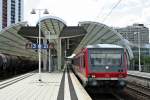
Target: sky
(74,11)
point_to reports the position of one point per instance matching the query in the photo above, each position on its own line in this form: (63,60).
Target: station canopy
(14,38)
(99,33)
(14,44)
(52,26)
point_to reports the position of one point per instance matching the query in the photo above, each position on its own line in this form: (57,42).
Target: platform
(139,74)
(54,86)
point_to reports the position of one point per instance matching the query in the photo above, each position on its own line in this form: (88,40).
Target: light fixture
(46,11)
(33,11)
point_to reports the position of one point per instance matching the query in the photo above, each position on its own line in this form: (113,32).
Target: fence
(135,67)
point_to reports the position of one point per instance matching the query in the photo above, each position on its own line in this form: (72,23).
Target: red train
(102,64)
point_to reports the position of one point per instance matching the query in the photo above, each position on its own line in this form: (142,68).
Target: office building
(11,11)
(131,33)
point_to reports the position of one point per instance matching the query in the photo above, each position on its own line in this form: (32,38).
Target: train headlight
(107,67)
(122,83)
(93,76)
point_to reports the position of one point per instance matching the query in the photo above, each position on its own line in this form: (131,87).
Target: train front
(107,67)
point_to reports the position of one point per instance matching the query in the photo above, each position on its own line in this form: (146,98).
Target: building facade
(135,33)
(11,11)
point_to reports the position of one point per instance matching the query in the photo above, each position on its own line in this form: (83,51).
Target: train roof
(104,46)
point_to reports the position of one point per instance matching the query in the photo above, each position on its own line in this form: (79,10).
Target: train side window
(83,61)
(80,61)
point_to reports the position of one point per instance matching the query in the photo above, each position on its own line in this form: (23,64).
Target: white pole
(139,52)
(39,46)
(65,48)
(49,55)
(68,43)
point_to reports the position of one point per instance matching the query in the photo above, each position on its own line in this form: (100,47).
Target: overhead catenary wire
(111,11)
(103,19)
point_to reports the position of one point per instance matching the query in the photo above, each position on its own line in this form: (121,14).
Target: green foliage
(147,60)
(144,60)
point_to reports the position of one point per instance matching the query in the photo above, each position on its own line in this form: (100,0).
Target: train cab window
(98,59)
(105,59)
(113,59)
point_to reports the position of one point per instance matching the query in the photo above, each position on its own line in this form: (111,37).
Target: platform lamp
(139,49)
(39,45)
(49,54)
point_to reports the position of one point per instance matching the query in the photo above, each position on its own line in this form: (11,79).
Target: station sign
(37,46)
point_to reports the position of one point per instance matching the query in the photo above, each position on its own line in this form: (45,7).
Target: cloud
(129,12)
(70,10)
(28,6)
(73,11)
(146,15)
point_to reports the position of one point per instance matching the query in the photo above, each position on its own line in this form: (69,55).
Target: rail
(118,96)
(140,79)
(137,91)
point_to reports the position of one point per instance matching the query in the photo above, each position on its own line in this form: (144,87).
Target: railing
(145,67)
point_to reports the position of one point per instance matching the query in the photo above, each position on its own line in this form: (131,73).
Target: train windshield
(105,59)
(100,58)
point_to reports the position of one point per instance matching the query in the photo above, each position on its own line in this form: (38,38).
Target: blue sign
(45,46)
(34,46)
(37,46)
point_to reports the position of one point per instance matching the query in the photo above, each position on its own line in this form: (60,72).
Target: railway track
(138,92)
(108,94)
(16,79)
(132,91)
(97,94)
(102,96)
(118,96)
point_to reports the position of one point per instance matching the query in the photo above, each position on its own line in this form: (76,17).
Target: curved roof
(14,44)
(104,46)
(52,24)
(98,33)
(54,18)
